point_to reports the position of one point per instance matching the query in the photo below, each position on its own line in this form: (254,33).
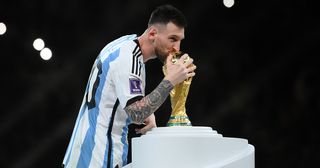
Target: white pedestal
(190,147)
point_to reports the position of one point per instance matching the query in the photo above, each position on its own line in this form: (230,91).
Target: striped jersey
(99,138)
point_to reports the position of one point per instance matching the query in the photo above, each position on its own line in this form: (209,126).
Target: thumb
(169,59)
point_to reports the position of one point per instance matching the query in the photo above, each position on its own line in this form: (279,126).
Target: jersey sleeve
(128,84)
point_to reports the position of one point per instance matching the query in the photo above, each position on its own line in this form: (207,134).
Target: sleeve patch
(135,86)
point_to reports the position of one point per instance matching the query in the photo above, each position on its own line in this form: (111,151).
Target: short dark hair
(167,13)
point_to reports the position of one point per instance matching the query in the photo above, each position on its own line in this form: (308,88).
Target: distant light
(228,3)
(38,44)
(46,54)
(3,28)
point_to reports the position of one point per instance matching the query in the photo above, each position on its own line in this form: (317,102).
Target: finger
(145,129)
(142,131)
(148,127)
(189,62)
(183,58)
(192,67)
(191,74)
(138,131)
(169,59)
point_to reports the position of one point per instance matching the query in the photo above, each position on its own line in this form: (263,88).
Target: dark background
(257,76)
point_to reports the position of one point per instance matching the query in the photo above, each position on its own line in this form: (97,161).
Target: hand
(181,70)
(150,123)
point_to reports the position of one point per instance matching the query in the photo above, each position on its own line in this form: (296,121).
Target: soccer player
(115,95)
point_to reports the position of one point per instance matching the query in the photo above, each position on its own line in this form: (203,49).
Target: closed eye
(173,39)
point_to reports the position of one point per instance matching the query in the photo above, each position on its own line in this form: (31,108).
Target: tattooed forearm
(140,110)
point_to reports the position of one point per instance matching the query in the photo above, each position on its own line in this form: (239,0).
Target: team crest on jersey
(135,86)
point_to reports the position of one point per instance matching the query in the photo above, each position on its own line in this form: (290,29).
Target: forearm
(140,110)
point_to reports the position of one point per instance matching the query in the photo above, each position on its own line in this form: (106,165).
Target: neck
(146,47)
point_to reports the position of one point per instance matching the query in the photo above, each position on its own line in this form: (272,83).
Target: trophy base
(179,121)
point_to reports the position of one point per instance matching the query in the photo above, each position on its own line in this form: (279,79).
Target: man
(115,96)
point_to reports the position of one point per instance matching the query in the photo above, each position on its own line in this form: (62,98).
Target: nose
(176,46)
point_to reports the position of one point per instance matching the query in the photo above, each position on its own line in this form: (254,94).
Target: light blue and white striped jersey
(99,138)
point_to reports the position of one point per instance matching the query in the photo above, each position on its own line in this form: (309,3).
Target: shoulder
(123,43)
(121,53)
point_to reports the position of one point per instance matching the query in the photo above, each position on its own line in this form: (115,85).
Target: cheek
(168,46)
(164,43)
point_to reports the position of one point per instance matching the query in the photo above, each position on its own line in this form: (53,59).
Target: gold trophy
(178,97)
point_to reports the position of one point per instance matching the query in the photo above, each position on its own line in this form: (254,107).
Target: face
(167,39)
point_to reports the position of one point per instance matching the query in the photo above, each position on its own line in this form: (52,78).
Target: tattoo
(140,110)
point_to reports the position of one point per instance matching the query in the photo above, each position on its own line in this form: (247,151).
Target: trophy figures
(178,97)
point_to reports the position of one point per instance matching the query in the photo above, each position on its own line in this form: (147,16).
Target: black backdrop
(257,76)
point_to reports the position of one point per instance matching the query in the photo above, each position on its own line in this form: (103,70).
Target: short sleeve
(128,85)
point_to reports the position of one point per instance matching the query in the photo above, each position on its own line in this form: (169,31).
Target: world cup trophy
(178,97)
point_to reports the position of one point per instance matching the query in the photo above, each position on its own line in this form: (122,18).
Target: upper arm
(129,85)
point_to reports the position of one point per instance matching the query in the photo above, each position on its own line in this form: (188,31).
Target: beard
(161,55)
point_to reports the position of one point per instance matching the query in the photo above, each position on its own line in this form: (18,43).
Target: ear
(152,32)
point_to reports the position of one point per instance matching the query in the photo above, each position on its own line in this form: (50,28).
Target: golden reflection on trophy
(178,97)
